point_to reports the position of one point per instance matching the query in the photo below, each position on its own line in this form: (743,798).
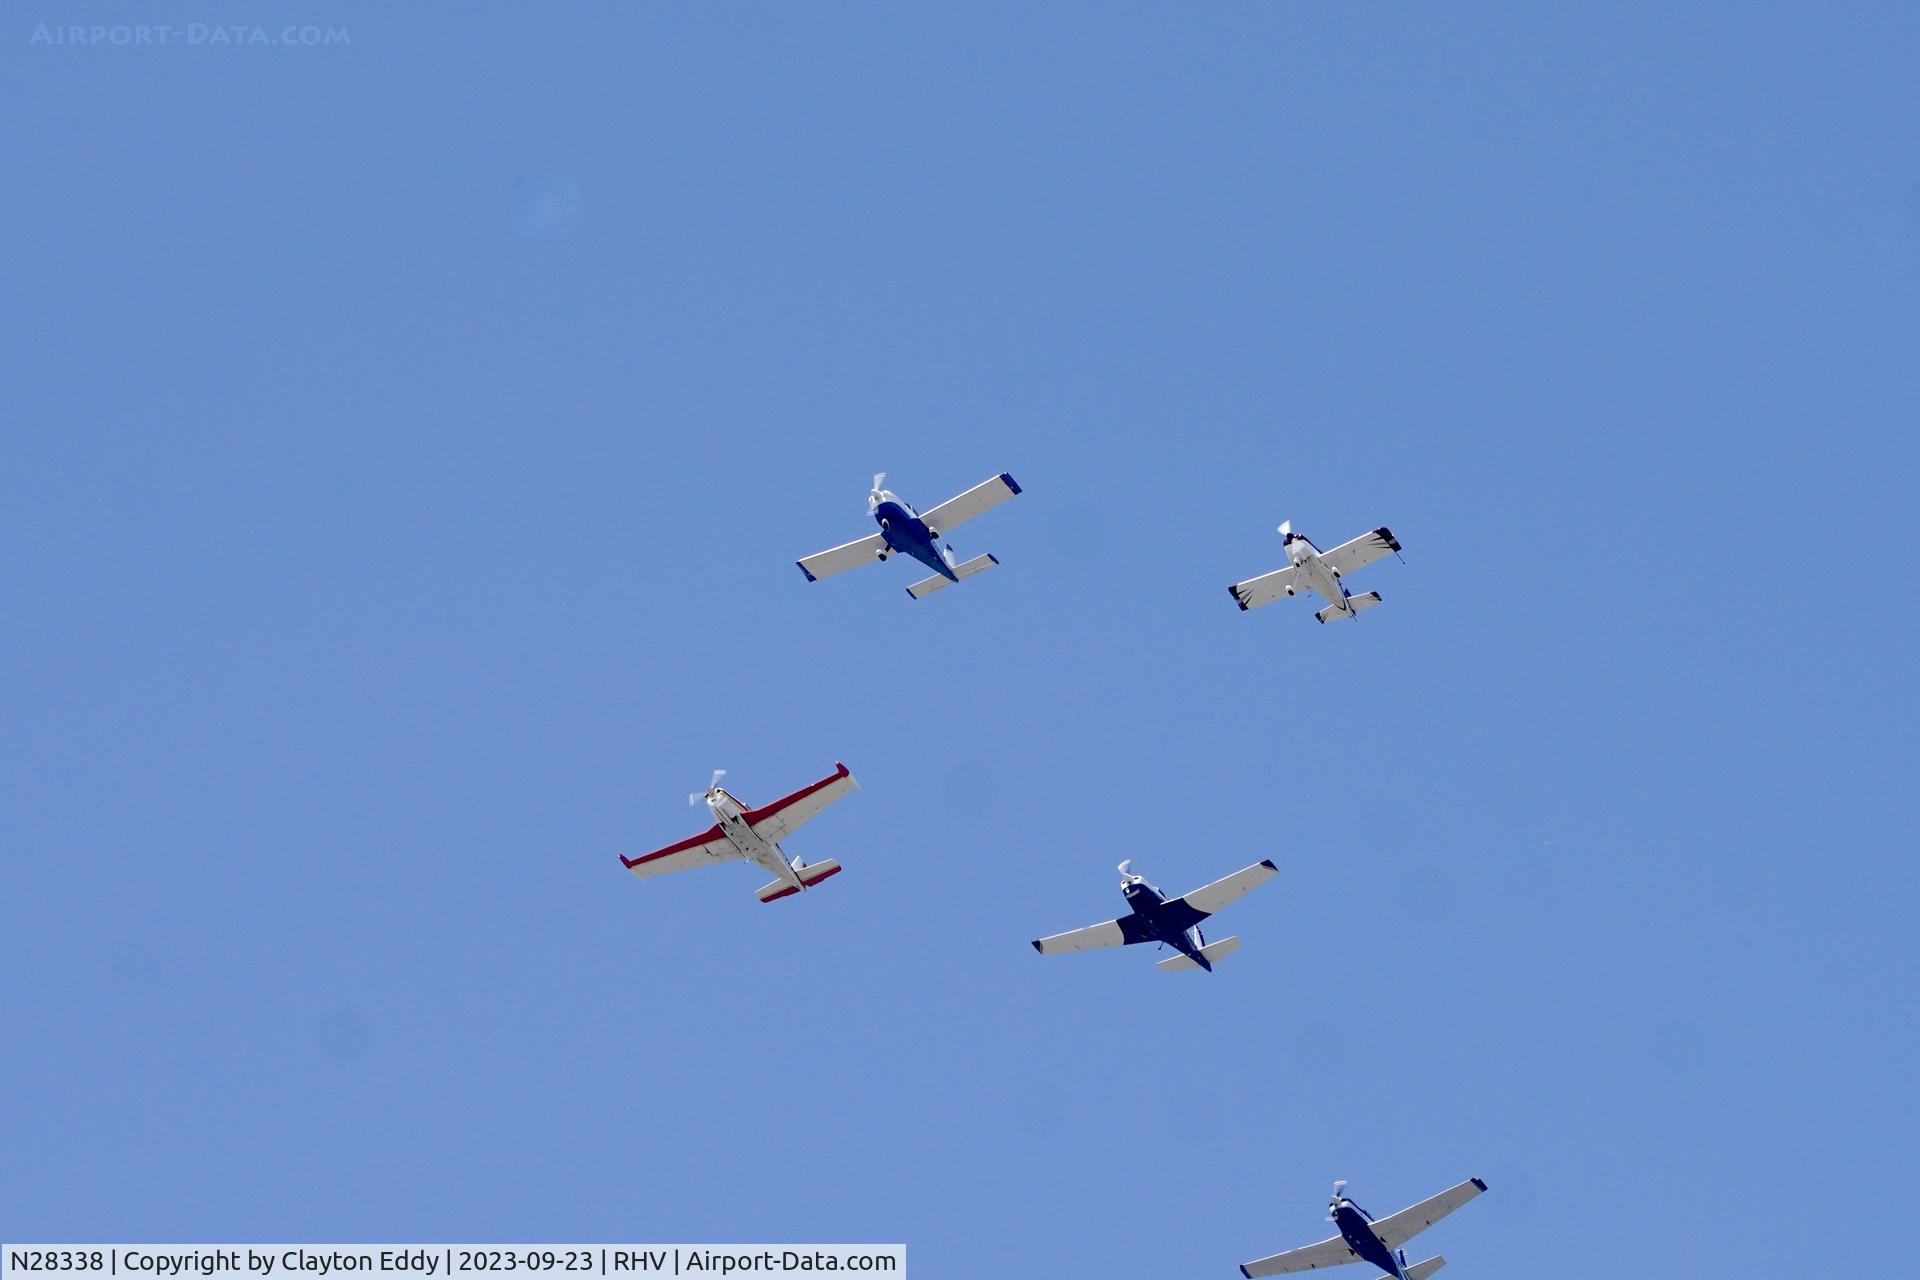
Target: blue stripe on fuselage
(906,532)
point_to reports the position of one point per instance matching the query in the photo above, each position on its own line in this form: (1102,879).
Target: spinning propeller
(1339,1184)
(1286,532)
(879,488)
(698,796)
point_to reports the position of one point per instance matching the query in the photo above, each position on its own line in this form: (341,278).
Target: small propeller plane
(753,834)
(902,529)
(1312,569)
(1363,1238)
(1156,918)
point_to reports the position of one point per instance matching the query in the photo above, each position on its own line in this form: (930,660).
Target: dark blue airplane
(1364,1238)
(1173,922)
(906,531)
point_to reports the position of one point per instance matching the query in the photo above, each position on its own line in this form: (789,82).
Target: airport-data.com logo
(188,35)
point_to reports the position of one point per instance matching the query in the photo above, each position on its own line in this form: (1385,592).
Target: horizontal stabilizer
(1355,604)
(1421,1270)
(810,875)
(1213,951)
(927,586)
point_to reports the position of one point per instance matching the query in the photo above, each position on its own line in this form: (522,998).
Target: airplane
(1363,1238)
(902,529)
(1172,921)
(753,834)
(1311,569)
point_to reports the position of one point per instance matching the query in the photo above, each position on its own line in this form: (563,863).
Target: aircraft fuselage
(1316,572)
(1358,1233)
(1149,913)
(730,814)
(908,533)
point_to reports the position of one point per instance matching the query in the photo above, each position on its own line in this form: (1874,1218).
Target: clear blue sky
(404,450)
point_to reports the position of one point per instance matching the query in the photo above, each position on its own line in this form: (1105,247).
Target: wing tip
(1268,864)
(1244,1271)
(801,565)
(1007,479)
(1037,947)
(1478,1183)
(1234,591)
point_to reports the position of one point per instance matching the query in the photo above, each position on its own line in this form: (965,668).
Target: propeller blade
(698,796)
(879,480)
(1125,875)
(1286,527)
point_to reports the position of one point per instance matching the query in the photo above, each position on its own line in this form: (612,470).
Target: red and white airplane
(753,834)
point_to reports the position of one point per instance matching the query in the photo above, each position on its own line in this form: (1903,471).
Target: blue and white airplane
(1172,921)
(1364,1238)
(906,531)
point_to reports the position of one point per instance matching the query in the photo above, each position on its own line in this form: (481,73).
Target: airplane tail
(1213,951)
(1421,1270)
(928,586)
(1358,604)
(810,875)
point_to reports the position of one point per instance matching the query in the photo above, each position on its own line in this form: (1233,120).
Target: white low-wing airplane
(753,834)
(1364,1238)
(1312,569)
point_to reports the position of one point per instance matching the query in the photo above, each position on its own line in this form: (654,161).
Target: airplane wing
(697,851)
(1204,901)
(775,822)
(824,564)
(982,497)
(1268,587)
(1396,1229)
(1362,551)
(1328,1253)
(1113,933)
